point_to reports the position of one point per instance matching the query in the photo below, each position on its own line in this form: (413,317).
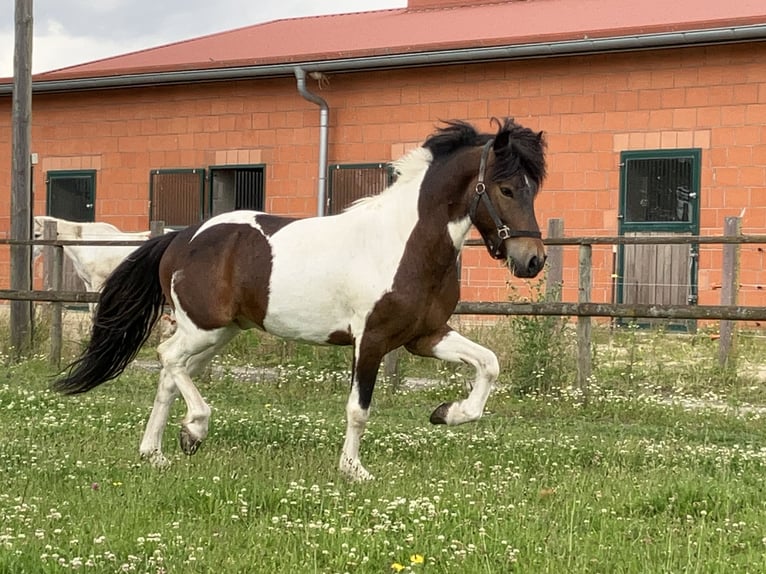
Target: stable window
(236,187)
(176,196)
(71,195)
(660,187)
(349,183)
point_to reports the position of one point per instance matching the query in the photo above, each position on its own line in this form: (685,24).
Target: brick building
(655,115)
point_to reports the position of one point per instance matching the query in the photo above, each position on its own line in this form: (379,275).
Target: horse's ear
(502,140)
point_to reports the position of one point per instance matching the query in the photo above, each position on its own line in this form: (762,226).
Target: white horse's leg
(365,371)
(95,284)
(453,347)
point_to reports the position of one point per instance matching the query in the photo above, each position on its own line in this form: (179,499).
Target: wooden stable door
(659,196)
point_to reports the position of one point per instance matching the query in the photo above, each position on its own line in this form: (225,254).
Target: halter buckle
(504,233)
(480,188)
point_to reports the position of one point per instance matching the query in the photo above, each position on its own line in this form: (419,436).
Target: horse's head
(64,230)
(510,172)
(37,233)
(493,180)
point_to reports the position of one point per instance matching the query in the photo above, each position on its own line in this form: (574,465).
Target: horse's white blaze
(457,349)
(328,273)
(238,217)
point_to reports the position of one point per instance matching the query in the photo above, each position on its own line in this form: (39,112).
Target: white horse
(92,263)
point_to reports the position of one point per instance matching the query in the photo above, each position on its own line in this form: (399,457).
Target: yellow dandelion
(396,567)
(417,559)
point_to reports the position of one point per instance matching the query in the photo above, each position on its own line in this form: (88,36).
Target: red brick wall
(591,107)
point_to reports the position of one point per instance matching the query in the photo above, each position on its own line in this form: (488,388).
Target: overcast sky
(68,32)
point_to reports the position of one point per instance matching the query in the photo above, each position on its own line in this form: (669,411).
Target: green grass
(543,483)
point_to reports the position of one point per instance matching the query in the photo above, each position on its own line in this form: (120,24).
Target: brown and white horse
(380,275)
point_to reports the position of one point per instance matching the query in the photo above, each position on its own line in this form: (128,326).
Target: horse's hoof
(156,459)
(439,416)
(189,443)
(355,472)
(359,475)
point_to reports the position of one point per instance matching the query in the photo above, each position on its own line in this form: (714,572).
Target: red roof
(404,31)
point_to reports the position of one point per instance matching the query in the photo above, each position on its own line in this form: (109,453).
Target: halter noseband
(503,231)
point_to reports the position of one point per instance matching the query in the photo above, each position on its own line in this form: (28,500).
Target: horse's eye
(506,191)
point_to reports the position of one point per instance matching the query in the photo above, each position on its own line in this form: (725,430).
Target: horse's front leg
(449,345)
(364,373)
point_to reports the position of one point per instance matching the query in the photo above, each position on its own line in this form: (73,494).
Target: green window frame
(656,186)
(71,194)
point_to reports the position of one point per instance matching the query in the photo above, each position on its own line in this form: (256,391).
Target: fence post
(156,228)
(52,275)
(584,368)
(555,277)
(391,368)
(729,286)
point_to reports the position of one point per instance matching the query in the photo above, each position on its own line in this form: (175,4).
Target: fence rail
(584,309)
(615,310)
(555,241)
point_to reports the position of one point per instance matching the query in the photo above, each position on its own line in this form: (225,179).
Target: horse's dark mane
(527,149)
(456,135)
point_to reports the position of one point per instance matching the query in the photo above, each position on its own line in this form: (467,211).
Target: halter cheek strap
(503,232)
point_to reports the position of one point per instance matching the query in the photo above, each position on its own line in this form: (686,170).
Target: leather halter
(503,232)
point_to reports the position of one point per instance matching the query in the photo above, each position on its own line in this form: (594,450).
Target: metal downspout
(300,76)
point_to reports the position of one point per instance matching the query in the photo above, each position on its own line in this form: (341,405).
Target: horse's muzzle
(525,259)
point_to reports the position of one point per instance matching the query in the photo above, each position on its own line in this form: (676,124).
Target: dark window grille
(349,183)
(659,189)
(235,188)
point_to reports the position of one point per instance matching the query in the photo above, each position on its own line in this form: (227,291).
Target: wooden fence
(727,312)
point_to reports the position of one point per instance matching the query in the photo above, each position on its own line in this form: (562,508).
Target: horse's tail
(130,303)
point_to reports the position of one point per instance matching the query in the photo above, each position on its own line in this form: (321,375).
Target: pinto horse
(380,275)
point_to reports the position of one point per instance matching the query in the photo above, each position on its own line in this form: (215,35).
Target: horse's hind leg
(194,427)
(182,356)
(151,443)
(449,345)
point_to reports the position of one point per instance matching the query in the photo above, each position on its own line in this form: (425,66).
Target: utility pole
(21,178)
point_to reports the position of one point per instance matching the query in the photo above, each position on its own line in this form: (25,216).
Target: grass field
(629,482)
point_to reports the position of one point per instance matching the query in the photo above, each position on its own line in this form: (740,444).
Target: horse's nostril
(534,264)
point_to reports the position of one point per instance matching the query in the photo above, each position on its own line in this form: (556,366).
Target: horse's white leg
(365,372)
(197,351)
(95,284)
(183,356)
(452,346)
(151,443)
